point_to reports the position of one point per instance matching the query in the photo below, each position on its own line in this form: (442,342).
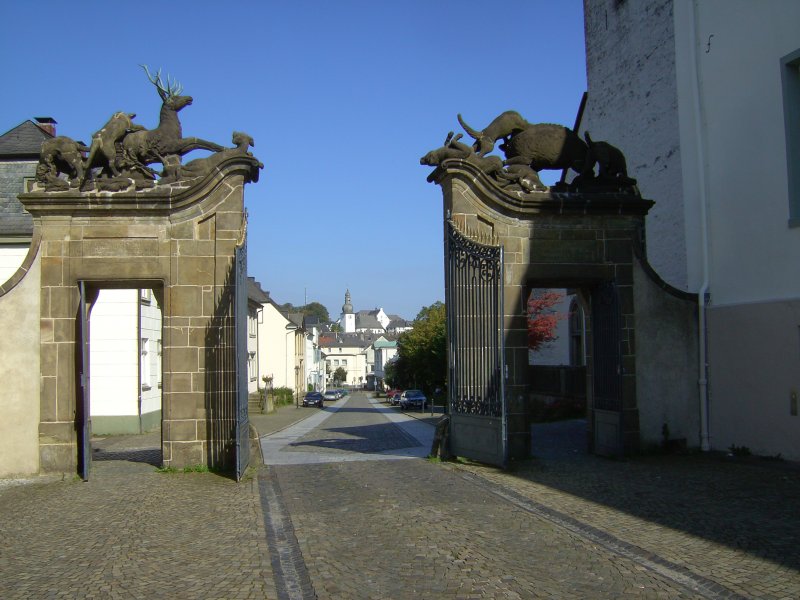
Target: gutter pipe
(703,293)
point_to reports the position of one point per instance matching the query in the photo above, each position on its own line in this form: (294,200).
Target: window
(145,363)
(145,296)
(790,77)
(344,362)
(252,323)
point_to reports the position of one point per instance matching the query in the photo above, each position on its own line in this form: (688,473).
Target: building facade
(703,99)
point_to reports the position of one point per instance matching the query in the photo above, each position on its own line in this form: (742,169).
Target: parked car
(393,396)
(313,399)
(332,395)
(413,399)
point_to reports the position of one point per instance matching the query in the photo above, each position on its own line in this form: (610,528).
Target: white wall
(151,329)
(114,354)
(753,253)
(276,346)
(20,372)
(11,257)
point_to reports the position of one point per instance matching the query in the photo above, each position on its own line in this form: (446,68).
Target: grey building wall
(633,104)
(667,371)
(14,221)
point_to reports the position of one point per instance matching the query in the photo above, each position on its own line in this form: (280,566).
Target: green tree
(315,309)
(340,375)
(312,309)
(422,352)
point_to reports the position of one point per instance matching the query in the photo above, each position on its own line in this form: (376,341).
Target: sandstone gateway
(111,221)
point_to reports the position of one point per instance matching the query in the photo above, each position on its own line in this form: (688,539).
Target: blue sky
(342,99)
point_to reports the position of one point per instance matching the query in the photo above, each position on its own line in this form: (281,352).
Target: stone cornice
(521,204)
(162,199)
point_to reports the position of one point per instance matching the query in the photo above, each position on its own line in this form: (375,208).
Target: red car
(393,396)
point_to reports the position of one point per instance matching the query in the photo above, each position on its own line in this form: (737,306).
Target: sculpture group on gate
(531,147)
(122,151)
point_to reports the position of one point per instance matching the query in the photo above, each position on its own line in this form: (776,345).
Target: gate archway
(585,241)
(187,236)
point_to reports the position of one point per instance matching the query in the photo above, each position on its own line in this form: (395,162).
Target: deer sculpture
(165,144)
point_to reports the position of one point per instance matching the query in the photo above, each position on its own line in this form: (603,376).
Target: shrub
(282,396)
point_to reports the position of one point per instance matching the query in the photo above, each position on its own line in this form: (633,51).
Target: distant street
(348,507)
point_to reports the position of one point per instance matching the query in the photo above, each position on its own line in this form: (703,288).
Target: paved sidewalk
(564,525)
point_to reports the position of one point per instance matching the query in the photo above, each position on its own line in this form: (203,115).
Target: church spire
(347,308)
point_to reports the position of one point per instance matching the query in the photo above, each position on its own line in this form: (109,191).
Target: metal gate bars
(476,356)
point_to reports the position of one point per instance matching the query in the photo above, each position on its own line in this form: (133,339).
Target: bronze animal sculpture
(61,155)
(522,176)
(103,151)
(202,166)
(453,148)
(546,146)
(504,126)
(165,144)
(610,161)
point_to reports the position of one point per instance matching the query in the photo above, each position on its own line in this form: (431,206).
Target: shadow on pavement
(749,505)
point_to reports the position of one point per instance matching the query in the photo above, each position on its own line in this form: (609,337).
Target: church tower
(348,318)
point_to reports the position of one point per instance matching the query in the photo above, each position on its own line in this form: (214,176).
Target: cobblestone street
(347,507)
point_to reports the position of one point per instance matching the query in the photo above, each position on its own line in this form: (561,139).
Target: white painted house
(704,100)
(125,362)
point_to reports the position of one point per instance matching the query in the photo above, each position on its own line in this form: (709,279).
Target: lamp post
(290,329)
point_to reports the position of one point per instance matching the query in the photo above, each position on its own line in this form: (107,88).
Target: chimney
(46,124)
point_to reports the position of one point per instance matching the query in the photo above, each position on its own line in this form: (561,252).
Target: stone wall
(632,102)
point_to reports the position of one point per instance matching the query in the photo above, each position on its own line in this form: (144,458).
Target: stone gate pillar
(178,237)
(553,239)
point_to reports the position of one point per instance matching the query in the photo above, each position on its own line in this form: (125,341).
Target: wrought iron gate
(240,325)
(476,354)
(607,371)
(85,423)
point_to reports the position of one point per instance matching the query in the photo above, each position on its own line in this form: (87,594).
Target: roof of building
(255,293)
(23,141)
(367,320)
(347,340)
(384,343)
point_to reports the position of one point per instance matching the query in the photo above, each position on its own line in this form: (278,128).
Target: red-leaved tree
(543,317)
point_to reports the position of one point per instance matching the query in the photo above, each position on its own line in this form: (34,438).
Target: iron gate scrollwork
(240,324)
(476,356)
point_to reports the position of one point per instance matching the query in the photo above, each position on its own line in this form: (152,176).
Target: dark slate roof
(255,293)
(367,321)
(23,141)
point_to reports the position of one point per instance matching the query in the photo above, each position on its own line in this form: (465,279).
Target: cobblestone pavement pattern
(343,509)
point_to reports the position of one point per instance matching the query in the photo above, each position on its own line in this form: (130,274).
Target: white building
(704,100)
(349,352)
(125,362)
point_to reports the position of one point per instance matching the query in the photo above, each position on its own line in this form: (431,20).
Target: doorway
(125,367)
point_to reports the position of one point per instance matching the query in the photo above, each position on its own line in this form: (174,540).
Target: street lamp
(290,328)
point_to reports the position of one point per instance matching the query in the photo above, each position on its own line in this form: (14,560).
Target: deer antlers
(173,87)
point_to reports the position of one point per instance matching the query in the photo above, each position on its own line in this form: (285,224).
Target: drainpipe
(703,293)
(139,345)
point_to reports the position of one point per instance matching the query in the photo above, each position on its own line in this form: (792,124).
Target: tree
(315,309)
(340,375)
(312,309)
(543,318)
(422,352)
